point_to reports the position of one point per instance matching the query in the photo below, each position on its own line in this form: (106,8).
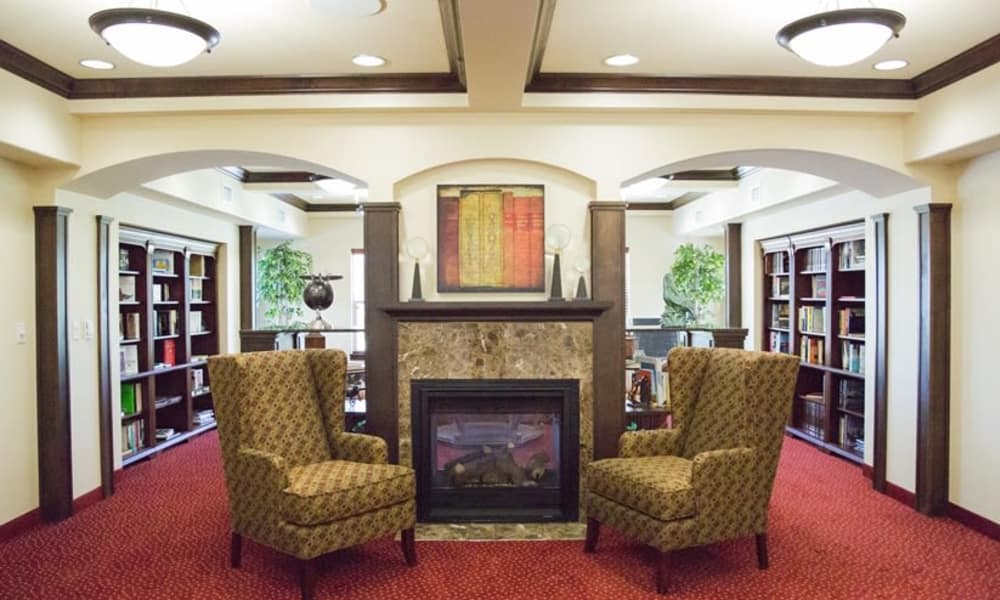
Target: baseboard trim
(966,517)
(33,518)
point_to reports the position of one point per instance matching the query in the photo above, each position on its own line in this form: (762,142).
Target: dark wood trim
(33,518)
(649,206)
(55,453)
(892,490)
(607,259)
(880,262)
(706,175)
(734,274)
(933,388)
(28,67)
(543,24)
(248,276)
(496,311)
(830,87)
(279,176)
(106,415)
(960,66)
(452,38)
(974,522)
(161,87)
(341,207)
(292,200)
(381,224)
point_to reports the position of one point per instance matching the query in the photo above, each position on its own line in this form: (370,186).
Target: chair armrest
(649,442)
(358,447)
(715,469)
(262,468)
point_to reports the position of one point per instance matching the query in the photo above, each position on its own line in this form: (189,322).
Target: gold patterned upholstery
(710,477)
(296,481)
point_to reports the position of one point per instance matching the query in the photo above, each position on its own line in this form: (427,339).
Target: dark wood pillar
(104,410)
(381,289)
(607,257)
(933,387)
(55,468)
(880,262)
(734,275)
(248,275)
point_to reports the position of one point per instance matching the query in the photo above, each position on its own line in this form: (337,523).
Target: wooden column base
(593,533)
(762,551)
(236,550)
(663,573)
(307,577)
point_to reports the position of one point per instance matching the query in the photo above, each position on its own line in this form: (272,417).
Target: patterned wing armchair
(296,481)
(710,477)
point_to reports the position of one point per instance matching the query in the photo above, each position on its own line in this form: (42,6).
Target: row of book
(813,419)
(780,315)
(851,321)
(779,341)
(776,263)
(133,436)
(852,395)
(129,326)
(852,255)
(779,286)
(128,356)
(814,259)
(165,323)
(131,398)
(126,288)
(851,433)
(161,292)
(812,319)
(818,285)
(204,417)
(852,356)
(198,380)
(811,350)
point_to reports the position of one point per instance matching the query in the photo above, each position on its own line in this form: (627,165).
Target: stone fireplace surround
(496,350)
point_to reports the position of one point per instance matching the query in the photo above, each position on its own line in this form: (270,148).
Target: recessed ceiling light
(621,60)
(334,185)
(94,63)
(368,60)
(890,65)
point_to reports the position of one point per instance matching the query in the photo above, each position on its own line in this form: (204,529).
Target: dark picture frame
(491,238)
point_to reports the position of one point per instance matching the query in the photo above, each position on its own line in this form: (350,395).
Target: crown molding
(28,67)
(960,66)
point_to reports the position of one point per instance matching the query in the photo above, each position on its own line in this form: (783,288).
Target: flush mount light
(890,65)
(621,60)
(156,38)
(368,60)
(94,63)
(841,37)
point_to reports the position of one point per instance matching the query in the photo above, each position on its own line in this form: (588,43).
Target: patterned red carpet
(163,535)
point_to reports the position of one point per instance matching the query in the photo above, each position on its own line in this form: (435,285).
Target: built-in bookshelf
(814,307)
(168,326)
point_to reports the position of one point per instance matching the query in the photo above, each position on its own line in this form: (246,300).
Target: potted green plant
(279,283)
(694,283)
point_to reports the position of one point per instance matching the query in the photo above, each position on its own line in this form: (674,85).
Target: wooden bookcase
(814,306)
(168,326)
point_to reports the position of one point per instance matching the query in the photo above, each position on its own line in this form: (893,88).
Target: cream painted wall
(35,125)
(652,238)
(18,438)
(975,329)
(902,308)
(567,197)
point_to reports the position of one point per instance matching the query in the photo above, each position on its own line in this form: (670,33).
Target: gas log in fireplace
(494,450)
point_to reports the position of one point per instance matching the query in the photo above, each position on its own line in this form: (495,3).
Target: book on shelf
(126,288)
(204,417)
(811,350)
(851,432)
(852,255)
(780,316)
(133,437)
(170,352)
(852,356)
(851,321)
(818,286)
(163,261)
(814,259)
(779,286)
(655,366)
(129,359)
(851,394)
(812,319)
(162,401)
(779,341)
(195,322)
(196,265)
(776,263)
(197,289)
(128,326)
(123,260)
(814,397)
(165,433)
(197,379)
(161,292)
(131,398)
(812,419)
(166,322)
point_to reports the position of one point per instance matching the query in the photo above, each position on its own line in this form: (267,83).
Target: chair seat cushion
(658,486)
(337,489)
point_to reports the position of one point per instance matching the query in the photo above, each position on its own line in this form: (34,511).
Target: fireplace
(494,450)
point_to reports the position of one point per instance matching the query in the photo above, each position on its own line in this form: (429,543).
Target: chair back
(271,401)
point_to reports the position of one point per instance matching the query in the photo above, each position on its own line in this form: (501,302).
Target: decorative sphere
(318,294)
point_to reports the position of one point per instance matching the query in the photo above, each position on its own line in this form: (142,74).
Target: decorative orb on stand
(418,249)
(318,295)
(557,237)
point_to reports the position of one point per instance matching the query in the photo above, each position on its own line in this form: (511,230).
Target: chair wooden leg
(409,545)
(762,551)
(307,577)
(593,533)
(663,573)
(236,550)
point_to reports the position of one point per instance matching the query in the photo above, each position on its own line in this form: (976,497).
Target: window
(358,297)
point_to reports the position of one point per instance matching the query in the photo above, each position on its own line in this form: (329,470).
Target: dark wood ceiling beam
(280,176)
(160,87)
(28,67)
(832,87)
(543,25)
(976,58)
(706,175)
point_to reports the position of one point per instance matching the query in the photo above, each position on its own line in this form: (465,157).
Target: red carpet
(163,535)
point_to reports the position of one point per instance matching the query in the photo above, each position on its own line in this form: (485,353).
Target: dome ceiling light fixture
(841,37)
(153,37)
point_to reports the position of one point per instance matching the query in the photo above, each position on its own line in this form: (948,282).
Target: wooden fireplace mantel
(570,310)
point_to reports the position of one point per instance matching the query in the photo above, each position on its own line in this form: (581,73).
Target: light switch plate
(76,330)
(20,332)
(88,329)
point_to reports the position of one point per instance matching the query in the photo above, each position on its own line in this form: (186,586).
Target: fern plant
(694,283)
(279,283)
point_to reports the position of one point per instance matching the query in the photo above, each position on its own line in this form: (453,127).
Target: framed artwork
(491,238)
